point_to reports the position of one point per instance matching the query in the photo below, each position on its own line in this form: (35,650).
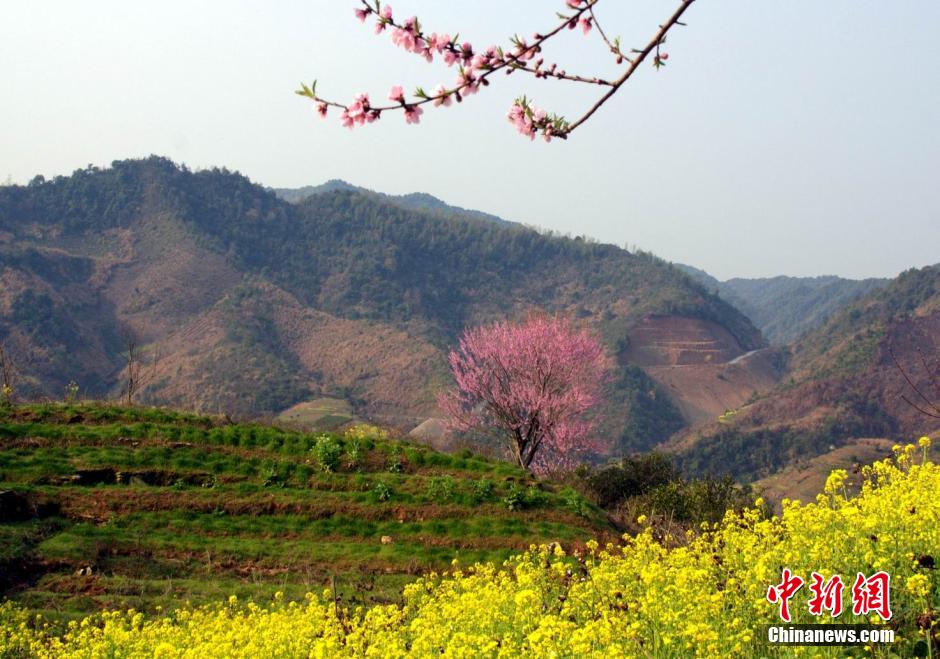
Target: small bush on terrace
(327,452)
(364,431)
(442,488)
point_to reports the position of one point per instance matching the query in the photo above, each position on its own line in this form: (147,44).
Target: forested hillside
(414,200)
(784,308)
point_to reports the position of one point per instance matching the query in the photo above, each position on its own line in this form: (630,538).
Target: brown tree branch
(542,73)
(919,408)
(931,373)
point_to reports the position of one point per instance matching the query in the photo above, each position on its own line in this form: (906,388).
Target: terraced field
(703,367)
(135,507)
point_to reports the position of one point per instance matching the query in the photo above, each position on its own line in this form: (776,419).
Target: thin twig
(919,408)
(613,48)
(559,75)
(931,373)
(635,63)
(916,389)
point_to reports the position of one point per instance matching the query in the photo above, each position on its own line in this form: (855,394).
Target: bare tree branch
(136,376)
(931,404)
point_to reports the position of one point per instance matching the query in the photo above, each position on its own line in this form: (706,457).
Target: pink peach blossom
(397,94)
(413,114)
(535,383)
(441,96)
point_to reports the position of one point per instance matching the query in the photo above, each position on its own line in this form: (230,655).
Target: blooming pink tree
(476,67)
(531,385)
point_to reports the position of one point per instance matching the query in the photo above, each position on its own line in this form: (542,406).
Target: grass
(167,507)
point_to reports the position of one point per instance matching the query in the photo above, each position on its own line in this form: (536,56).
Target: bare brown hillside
(164,278)
(700,364)
(807,478)
(879,384)
(385,370)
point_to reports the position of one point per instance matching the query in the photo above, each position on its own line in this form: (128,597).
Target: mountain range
(245,303)
(332,302)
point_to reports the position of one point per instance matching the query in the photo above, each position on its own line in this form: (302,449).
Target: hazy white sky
(785,137)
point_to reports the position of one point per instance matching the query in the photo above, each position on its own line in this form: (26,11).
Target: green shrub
(354,455)
(382,491)
(515,498)
(441,488)
(482,490)
(535,497)
(71,392)
(634,476)
(273,478)
(327,452)
(395,463)
(576,503)
(704,500)
(304,473)
(415,457)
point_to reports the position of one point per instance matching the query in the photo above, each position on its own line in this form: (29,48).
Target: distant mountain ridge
(414,200)
(784,308)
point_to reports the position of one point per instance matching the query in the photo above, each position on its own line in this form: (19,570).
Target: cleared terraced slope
(135,507)
(702,366)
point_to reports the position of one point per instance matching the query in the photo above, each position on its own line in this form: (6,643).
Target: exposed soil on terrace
(700,364)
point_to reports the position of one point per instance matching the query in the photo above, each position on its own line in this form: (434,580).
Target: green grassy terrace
(167,507)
